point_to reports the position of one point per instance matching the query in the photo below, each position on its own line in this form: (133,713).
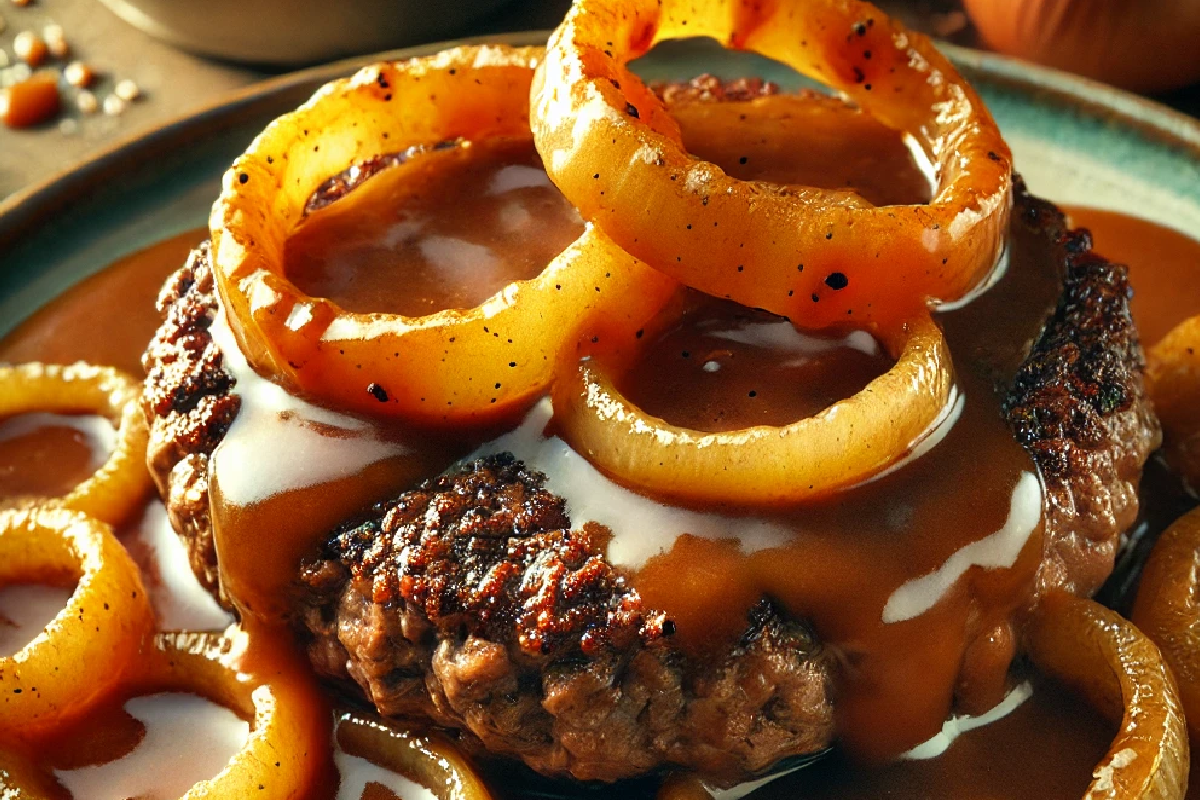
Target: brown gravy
(44,459)
(848,557)
(446,229)
(1164,266)
(724,366)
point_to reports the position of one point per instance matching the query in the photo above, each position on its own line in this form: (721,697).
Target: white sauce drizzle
(279,442)
(458,260)
(783,335)
(956,726)
(180,602)
(742,789)
(997,550)
(188,739)
(641,527)
(356,773)
(517,176)
(98,433)
(25,610)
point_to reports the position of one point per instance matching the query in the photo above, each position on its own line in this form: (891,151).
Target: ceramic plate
(1075,141)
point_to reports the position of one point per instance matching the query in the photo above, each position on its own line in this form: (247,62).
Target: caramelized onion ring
(288,750)
(21,780)
(1167,608)
(452,366)
(763,464)
(1173,383)
(427,759)
(117,489)
(81,655)
(1121,672)
(814,256)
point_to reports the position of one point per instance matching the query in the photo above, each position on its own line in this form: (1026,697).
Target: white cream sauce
(357,773)
(997,550)
(180,602)
(25,610)
(187,739)
(97,432)
(641,527)
(279,442)
(956,726)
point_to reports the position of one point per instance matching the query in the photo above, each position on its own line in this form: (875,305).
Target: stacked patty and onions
(516,571)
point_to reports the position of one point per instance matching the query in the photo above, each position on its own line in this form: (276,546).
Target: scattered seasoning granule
(113,105)
(30,48)
(87,103)
(79,75)
(56,42)
(127,90)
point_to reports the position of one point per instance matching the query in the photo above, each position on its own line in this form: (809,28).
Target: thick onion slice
(80,657)
(288,751)
(427,759)
(820,258)
(452,366)
(763,464)
(21,780)
(116,490)
(1173,383)
(1168,608)
(1121,672)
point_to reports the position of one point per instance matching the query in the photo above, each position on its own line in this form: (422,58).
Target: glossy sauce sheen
(447,229)
(905,525)
(1164,267)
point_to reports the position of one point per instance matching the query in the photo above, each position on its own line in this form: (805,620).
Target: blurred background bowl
(295,32)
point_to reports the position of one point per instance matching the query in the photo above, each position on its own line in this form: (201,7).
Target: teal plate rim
(22,212)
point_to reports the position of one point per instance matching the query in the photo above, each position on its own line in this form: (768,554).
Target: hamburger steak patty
(470,601)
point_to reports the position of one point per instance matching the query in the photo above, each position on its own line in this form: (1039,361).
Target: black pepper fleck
(837,280)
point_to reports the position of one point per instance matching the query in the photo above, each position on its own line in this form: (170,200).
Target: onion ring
(81,655)
(1121,672)
(427,759)
(763,464)
(1167,608)
(289,745)
(20,780)
(812,256)
(116,491)
(450,367)
(1173,383)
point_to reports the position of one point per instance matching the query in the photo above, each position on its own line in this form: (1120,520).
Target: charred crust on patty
(188,401)
(486,550)
(1078,405)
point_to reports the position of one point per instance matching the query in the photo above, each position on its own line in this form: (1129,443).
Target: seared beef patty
(470,600)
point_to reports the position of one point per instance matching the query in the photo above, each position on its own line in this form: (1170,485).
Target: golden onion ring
(81,655)
(816,257)
(115,491)
(452,366)
(1097,652)
(763,464)
(1173,383)
(1167,608)
(427,759)
(288,750)
(21,780)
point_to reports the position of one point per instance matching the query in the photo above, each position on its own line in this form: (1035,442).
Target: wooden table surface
(173,83)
